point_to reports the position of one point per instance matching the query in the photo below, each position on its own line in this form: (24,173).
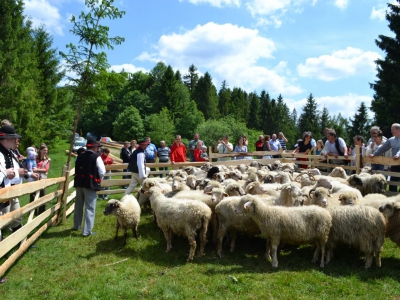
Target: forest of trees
(164,102)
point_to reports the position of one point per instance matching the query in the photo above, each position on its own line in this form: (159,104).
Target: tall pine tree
(386,101)
(360,124)
(309,119)
(206,98)
(191,79)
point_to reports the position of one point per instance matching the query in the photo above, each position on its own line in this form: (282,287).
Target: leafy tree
(386,99)
(360,124)
(20,100)
(129,125)
(205,96)
(169,93)
(253,118)
(90,67)
(309,120)
(224,99)
(155,91)
(191,79)
(162,127)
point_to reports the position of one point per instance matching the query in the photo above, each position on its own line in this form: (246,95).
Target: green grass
(65,265)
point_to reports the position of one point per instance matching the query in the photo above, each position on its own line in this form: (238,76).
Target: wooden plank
(71,197)
(18,213)
(12,240)
(27,188)
(17,254)
(381,160)
(62,199)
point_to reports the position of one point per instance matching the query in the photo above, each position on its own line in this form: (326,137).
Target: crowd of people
(15,168)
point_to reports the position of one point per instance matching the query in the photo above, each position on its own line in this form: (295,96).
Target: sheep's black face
(381,187)
(110,208)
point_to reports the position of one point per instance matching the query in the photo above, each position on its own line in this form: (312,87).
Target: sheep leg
(378,257)
(167,236)
(135,232)
(220,237)
(214,223)
(203,237)
(268,250)
(322,264)
(274,254)
(368,260)
(125,235)
(116,231)
(233,235)
(192,243)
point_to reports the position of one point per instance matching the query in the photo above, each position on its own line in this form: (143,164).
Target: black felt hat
(92,143)
(8,132)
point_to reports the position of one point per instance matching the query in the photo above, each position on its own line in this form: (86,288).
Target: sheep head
(390,209)
(112,206)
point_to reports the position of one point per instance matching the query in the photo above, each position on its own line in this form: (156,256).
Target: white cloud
(378,13)
(227,51)
(217,3)
(346,105)
(342,4)
(127,68)
(262,7)
(42,12)
(340,64)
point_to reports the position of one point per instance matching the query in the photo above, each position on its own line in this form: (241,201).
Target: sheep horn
(311,176)
(309,193)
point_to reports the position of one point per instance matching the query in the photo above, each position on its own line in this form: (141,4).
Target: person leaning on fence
(178,150)
(107,160)
(394,144)
(260,144)
(335,146)
(358,141)
(89,170)
(193,145)
(303,147)
(223,146)
(282,140)
(137,165)
(124,155)
(376,143)
(163,156)
(42,169)
(373,132)
(275,145)
(10,172)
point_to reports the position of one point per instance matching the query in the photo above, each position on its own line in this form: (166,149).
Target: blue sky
(287,47)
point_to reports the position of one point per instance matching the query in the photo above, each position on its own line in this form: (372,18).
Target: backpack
(337,145)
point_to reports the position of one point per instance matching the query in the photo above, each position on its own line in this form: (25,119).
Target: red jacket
(197,153)
(178,153)
(107,160)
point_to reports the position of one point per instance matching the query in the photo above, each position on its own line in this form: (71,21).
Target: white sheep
(257,188)
(191,182)
(185,218)
(391,211)
(293,225)
(360,227)
(368,184)
(127,212)
(143,198)
(290,195)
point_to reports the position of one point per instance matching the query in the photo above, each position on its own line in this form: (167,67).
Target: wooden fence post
(63,197)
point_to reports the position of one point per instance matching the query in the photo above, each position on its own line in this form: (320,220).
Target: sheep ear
(164,192)
(225,194)
(340,197)
(208,193)
(247,205)
(329,195)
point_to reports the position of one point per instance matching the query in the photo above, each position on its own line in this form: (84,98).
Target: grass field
(64,265)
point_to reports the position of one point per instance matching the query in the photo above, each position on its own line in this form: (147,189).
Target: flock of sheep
(274,200)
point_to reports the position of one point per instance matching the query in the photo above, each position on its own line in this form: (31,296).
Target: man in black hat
(10,172)
(89,170)
(137,165)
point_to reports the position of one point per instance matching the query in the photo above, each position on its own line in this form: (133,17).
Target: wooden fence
(65,195)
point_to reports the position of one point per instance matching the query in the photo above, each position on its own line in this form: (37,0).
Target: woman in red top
(107,160)
(178,151)
(43,166)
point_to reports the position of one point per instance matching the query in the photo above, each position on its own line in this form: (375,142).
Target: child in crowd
(107,160)
(30,163)
(203,153)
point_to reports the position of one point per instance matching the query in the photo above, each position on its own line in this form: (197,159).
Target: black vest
(8,157)
(86,172)
(133,167)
